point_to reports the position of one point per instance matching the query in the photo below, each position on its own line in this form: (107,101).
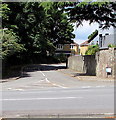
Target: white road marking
(108,113)
(86,86)
(19,89)
(51,82)
(49,71)
(40,81)
(23,99)
(97,86)
(9,88)
(42,73)
(47,80)
(100,86)
(59,85)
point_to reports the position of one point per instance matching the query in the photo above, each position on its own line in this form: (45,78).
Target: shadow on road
(82,74)
(33,68)
(19,72)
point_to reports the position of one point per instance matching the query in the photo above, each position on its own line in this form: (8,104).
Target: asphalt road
(44,91)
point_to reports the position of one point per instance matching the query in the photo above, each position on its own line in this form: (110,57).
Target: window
(71,46)
(59,46)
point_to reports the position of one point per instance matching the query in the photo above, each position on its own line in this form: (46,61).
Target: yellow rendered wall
(76,48)
(83,49)
(66,47)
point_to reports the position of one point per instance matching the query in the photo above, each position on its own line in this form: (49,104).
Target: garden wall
(85,64)
(106,58)
(95,65)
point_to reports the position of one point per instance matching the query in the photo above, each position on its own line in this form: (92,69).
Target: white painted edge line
(40,81)
(9,88)
(23,99)
(50,71)
(47,80)
(15,89)
(101,86)
(59,85)
(19,89)
(50,82)
(42,73)
(86,86)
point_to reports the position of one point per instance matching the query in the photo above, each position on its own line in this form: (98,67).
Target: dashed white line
(59,85)
(86,86)
(16,89)
(101,86)
(19,89)
(51,82)
(23,99)
(97,86)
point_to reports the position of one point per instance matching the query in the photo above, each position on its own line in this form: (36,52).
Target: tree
(9,44)
(100,12)
(39,27)
(59,28)
(29,19)
(8,39)
(4,11)
(93,35)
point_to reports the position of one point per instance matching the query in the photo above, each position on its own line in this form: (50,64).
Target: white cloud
(82,32)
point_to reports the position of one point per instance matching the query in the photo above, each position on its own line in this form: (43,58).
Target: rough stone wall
(90,64)
(115,64)
(85,64)
(95,65)
(76,63)
(106,58)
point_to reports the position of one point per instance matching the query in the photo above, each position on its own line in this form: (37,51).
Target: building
(107,37)
(67,49)
(84,47)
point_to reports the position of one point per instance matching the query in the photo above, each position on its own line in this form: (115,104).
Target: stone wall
(76,63)
(95,65)
(85,64)
(90,64)
(106,58)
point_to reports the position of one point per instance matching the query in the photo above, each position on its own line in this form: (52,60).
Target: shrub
(61,57)
(92,50)
(112,46)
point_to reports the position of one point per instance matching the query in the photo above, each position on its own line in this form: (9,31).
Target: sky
(82,32)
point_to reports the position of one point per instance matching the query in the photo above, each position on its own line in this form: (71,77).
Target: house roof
(74,43)
(86,43)
(66,42)
(63,42)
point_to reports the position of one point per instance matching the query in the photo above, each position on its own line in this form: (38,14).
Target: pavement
(83,76)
